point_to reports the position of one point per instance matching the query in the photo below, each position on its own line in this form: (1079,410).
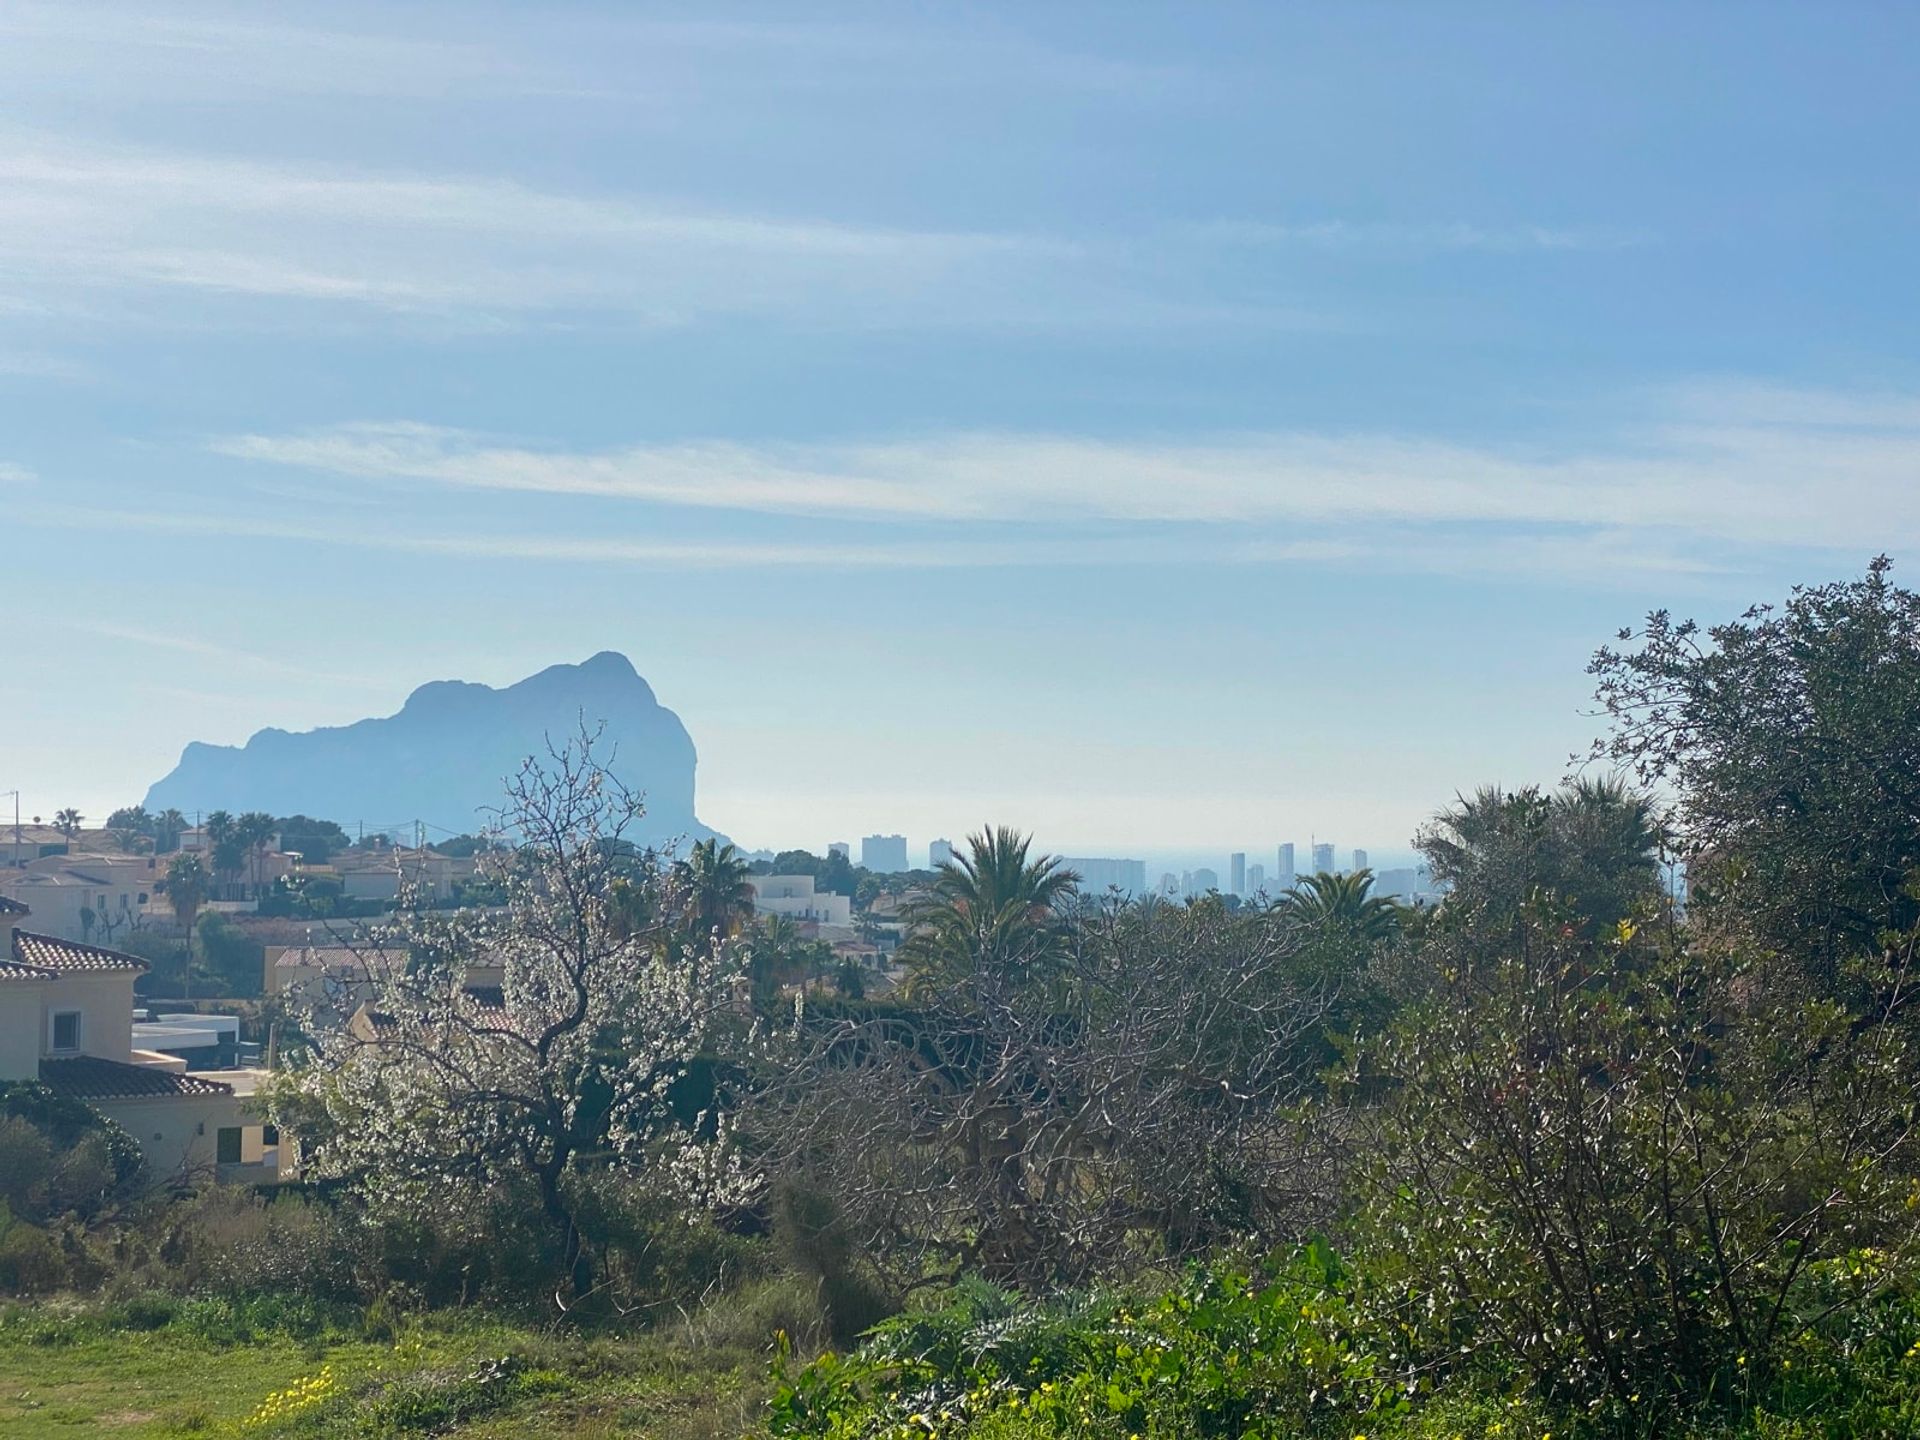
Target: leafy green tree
(836,876)
(1792,738)
(1622,1167)
(228,954)
(992,913)
(315,841)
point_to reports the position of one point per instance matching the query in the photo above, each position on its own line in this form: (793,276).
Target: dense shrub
(31,1259)
(1634,1175)
(68,1124)
(234,1242)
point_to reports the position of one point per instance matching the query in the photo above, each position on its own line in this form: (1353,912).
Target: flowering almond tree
(526,1043)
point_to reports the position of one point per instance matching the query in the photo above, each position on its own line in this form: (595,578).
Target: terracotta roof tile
(10,971)
(70,957)
(88,1077)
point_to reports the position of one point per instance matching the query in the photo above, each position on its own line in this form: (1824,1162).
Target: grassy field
(68,1372)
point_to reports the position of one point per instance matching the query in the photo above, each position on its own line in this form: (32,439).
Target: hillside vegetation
(1618,1140)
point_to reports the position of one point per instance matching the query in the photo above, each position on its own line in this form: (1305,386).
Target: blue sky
(1165,427)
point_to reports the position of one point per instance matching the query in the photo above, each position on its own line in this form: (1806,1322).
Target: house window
(66,1030)
(227,1145)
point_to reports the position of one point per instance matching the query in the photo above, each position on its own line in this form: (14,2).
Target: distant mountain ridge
(444,758)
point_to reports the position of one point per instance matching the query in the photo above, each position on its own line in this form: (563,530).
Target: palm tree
(1479,834)
(1343,905)
(718,895)
(778,957)
(1608,849)
(255,831)
(1593,845)
(991,911)
(67,822)
(185,885)
(167,826)
(226,854)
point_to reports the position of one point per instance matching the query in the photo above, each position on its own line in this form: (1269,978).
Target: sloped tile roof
(10,971)
(70,957)
(335,957)
(88,1077)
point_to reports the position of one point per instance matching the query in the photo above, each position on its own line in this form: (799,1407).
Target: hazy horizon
(1138,425)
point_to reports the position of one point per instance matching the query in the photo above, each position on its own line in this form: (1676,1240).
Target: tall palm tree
(185,885)
(67,822)
(1343,905)
(718,895)
(991,911)
(255,831)
(167,826)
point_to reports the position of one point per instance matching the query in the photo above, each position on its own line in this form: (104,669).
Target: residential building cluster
(68,1019)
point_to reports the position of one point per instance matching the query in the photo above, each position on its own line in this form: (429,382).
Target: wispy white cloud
(1812,471)
(11,474)
(167,51)
(224,656)
(79,219)
(81,216)
(1419,237)
(635,59)
(604,549)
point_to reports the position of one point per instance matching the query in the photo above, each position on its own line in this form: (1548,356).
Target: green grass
(73,1371)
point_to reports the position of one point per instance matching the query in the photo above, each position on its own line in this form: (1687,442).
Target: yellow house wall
(178,1133)
(105,1003)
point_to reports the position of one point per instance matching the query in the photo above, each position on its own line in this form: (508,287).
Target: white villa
(66,1020)
(76,897)
(795,897)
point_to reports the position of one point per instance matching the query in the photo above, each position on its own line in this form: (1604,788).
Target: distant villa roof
(331,957)
(88,1077)
(69,957)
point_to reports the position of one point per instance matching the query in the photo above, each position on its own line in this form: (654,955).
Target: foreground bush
(1234,1351)
(1638,1176)
(1315,1350)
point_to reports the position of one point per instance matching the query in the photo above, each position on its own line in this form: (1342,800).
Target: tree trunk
(573,1253)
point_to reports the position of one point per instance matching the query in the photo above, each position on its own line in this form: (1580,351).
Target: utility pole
(16,826)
